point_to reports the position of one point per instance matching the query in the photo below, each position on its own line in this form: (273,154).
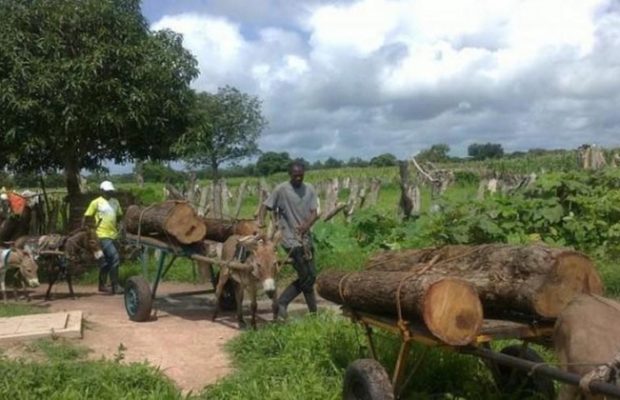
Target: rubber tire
(366,379)
(524,385)
(228,300)
(138,292)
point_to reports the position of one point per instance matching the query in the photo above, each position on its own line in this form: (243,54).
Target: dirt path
(182,340)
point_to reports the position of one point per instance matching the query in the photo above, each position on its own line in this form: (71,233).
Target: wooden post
(373,195)
(191,190)
(352,201)
(331,196)
(263,193)
(239,201)
(409,193)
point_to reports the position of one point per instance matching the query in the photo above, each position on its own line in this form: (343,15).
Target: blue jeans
(110,261)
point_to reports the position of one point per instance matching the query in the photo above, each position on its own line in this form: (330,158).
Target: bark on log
(450,308)
(220,229)
(535,280)
(170,218)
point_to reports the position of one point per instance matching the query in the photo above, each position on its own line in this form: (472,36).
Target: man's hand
(302,229)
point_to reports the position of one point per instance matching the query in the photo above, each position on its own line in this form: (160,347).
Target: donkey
(62,254)
(27,267)
(257,252)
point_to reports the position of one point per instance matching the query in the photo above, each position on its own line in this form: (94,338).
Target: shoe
(118,290)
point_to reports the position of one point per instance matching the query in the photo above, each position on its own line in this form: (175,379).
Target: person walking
(295,206)
(106,210)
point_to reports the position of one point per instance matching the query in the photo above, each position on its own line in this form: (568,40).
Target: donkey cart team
(458,298)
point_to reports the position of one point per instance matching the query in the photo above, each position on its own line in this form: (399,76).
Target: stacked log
(450,308)
(220,229)
(171,219)
(535,280)
(449,288)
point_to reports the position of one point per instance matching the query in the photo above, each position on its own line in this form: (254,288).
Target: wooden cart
(140,294)
(514,367)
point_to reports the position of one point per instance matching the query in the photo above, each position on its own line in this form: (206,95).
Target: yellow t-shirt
(105,213)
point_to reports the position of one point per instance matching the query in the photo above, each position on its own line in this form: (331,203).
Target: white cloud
(359,78)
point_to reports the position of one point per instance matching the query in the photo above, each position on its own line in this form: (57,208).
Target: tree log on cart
(174,219)
(450,308)
(533,280)
(221,229)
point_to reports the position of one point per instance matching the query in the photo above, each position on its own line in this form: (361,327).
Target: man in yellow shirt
(106,211)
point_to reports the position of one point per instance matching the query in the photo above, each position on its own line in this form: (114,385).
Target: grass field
(306,358)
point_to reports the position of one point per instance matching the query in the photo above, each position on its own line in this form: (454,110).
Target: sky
(359,78)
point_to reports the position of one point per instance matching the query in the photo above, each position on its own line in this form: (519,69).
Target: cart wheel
(366,379)
(228,301)
(138,300)
(517,382)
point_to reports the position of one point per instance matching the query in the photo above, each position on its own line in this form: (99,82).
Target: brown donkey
(61,254)
(25,264)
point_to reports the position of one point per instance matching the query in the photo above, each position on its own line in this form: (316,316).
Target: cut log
(450,308)
(535,280)
(220,229)
(170,218)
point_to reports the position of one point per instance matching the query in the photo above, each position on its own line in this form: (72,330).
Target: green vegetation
(15,309)
(53,369)
(306,359)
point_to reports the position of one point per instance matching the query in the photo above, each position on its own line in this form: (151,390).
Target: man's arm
(307,224)
(89,213)
(261,215)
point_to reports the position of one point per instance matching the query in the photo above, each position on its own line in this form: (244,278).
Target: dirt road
(181,340)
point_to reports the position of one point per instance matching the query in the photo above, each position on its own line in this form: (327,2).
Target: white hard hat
(107,186)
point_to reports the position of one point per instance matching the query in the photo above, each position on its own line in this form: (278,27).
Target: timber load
(175,220)
(530,281)
(449,307)
(221,229)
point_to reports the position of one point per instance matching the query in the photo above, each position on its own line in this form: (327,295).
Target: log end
(184,224)
(452,311)
(574,274)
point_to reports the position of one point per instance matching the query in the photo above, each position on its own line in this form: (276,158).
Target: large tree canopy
(83,81)
(224,127)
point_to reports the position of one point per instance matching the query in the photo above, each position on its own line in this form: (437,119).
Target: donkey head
(26,265)
(86,238)
(264,261)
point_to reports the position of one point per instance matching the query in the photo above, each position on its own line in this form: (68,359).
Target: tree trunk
(449,307)
(72,179)
(534,280)
(170,218)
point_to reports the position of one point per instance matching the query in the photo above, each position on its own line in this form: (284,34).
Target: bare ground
(182,340)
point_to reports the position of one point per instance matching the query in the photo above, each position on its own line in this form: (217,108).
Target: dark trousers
(306,276)
(306,271)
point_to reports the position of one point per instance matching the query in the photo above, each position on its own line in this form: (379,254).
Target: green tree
(357,162)
(87,81)
(224,127)
(384,160)
(332,162)
(479,151)
(271,162)
(436,153)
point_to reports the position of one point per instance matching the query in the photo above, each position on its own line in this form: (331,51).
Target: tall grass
(307,358)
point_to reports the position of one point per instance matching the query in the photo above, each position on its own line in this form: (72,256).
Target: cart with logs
(515,368)
(140,294)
